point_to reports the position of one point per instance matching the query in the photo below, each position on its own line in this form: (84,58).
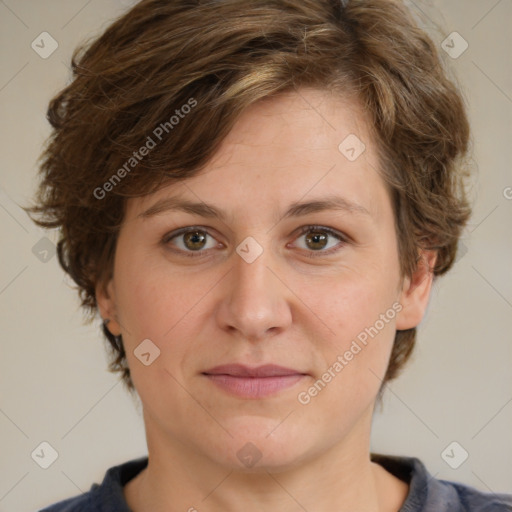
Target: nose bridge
(255,299)
(253,278)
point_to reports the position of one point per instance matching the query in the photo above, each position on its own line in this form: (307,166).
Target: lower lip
(254,387)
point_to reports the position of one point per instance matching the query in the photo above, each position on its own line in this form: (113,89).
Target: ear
(106,300)
(416,292)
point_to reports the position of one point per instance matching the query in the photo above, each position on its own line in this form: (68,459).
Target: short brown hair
(219,57)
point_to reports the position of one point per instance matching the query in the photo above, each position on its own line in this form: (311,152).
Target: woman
(256,198)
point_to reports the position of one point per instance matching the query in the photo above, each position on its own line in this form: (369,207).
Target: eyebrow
(296,209)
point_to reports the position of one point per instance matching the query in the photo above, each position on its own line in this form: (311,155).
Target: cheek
(156,302)
(153,298)
(351,301)
(360,312)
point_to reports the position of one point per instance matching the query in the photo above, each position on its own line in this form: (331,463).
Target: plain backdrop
(54,384)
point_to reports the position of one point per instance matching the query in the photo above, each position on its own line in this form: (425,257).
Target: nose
(255,302)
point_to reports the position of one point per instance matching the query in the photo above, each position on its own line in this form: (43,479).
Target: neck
(342,478)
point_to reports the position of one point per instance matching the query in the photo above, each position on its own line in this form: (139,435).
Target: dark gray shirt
(426,494)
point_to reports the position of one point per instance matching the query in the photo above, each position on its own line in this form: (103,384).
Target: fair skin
(283,308)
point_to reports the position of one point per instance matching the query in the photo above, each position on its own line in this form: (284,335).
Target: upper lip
(240,370)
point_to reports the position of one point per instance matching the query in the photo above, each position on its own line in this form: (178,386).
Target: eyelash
(305,229)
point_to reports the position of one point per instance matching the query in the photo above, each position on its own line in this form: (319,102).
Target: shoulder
(77,504)
(105,497)
(470,499)
(428,494)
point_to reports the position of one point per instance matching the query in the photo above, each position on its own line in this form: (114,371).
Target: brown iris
(194,240)
(316,237)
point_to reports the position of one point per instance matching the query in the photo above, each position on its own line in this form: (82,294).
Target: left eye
(192,241)
(317,239)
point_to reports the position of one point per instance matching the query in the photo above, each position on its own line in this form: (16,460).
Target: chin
(264,444)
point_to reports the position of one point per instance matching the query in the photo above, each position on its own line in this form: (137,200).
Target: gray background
(54,383)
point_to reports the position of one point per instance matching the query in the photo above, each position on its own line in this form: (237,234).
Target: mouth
(258,382)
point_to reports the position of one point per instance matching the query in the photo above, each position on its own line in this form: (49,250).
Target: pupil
(317,237)
(195,238)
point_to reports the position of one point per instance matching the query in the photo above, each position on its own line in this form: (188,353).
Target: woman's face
(315,289)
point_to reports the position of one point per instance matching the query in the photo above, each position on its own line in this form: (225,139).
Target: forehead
(301,121)
(281,149)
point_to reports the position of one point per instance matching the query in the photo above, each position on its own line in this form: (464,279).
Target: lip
(256,382)
(240,370)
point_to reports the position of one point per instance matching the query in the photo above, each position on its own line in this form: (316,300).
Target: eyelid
(327,229)
(180,231)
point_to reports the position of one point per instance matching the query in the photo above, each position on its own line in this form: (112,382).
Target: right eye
(191,241)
